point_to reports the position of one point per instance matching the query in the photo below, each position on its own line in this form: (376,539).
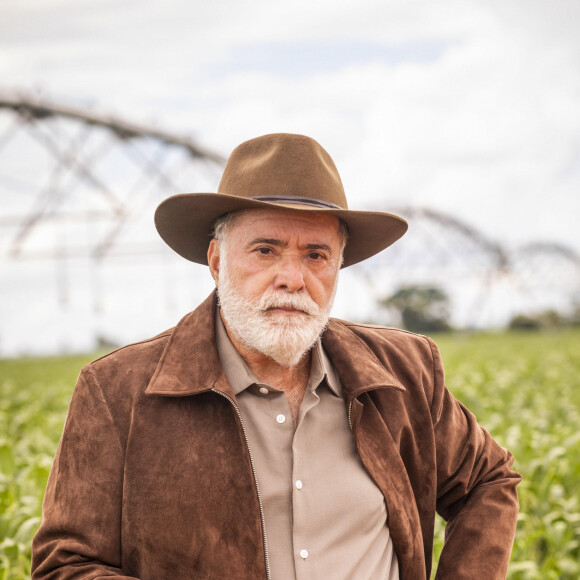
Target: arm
(80,533)
(476,491)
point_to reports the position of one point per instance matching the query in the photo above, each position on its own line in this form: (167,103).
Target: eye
(264,250)
(317,256)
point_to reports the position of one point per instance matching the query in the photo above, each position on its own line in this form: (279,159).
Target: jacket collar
(357,366)
(190,363)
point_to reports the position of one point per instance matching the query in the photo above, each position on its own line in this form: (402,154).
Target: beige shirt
(324,516)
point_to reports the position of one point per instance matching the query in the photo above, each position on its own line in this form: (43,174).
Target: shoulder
(128,368)
(388,338)
(147,351)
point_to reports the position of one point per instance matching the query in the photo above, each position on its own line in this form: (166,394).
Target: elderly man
(258,438)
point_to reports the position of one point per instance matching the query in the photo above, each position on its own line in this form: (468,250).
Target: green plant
(523,387)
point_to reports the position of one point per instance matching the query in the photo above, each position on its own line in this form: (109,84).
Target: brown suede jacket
(153,478)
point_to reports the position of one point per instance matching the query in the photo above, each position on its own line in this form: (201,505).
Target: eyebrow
(271,241)
(319,247)
(280,243)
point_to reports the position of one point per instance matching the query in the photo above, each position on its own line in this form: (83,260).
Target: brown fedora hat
(274,171)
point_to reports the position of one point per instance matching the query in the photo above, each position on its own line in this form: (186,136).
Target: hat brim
(185,223)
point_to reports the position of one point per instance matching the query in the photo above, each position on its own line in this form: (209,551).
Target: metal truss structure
(81,168)
(78,190)
(488,282)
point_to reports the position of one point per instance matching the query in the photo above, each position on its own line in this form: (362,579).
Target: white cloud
(467,106)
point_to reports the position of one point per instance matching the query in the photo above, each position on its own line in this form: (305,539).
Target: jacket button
(280,418)
(304,554)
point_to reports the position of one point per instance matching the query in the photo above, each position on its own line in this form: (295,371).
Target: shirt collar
(241,377)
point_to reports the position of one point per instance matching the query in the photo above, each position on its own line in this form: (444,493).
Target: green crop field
(524,388)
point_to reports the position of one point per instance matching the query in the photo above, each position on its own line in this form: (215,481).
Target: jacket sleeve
(80,532)
(476,490)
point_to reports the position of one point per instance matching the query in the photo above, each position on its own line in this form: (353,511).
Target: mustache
(292,301)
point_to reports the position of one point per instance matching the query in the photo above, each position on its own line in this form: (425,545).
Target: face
(276,274)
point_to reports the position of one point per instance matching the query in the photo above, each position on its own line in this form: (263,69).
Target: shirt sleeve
(476,490)
(80,532)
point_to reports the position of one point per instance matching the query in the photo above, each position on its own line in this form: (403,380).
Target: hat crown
(285,166)
(274,171)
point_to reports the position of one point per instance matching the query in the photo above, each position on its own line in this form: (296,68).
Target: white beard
(283,338)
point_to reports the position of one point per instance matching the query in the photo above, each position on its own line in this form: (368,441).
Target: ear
(213,259)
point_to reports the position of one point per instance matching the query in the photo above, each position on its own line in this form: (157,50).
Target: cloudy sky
(467,106)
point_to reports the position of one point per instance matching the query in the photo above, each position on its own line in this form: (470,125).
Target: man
(241,445)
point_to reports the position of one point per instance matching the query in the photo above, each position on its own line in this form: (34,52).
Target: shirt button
(264,390)
(298,484)
(304,554)
(280,418)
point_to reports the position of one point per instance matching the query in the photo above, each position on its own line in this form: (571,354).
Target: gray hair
(224,223)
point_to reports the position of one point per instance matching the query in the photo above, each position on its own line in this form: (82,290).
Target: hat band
(298,200)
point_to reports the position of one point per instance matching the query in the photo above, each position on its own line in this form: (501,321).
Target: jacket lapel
(364,377)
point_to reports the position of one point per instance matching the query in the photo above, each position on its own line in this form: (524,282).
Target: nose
(289,275)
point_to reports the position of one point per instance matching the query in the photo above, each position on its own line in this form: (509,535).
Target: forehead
(286,222)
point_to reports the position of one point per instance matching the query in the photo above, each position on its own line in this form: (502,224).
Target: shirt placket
(277,429)
(304,554)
